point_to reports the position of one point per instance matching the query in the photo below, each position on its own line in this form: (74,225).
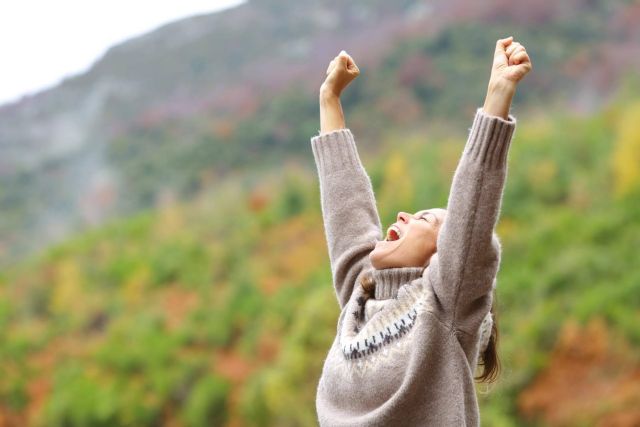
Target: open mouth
(392,235)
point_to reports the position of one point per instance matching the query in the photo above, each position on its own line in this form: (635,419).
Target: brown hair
(368,283)
(488,359)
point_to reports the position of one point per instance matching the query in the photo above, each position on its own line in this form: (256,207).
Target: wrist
(498,99)
(504,88)
(328,94)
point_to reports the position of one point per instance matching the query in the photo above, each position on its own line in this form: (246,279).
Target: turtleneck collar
(389,280)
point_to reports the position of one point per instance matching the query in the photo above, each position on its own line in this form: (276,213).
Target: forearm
(331,115)
(498,99)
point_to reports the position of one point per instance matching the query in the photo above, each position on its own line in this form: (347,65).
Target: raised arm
(351,221)
(463,270)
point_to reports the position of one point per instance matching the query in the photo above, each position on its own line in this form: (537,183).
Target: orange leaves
(258,200)
(177,303)
(289,252)
(591,378)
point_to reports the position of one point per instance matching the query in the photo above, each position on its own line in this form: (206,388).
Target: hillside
(220,311)
(173,112)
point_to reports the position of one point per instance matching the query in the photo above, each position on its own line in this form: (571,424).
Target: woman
(416,306)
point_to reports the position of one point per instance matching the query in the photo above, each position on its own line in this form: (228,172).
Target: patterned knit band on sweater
(369,329)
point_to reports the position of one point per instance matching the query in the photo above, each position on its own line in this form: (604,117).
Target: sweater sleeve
(351,221)
(463,270)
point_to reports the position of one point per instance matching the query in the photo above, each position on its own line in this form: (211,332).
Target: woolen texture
(407,355)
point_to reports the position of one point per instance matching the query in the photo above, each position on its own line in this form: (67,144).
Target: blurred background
(162,251)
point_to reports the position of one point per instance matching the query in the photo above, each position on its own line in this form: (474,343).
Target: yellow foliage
(170,221)
(541,174)
(626,154)
(506,228)
(67,286)
(398,187)
(134,288)
(539,128)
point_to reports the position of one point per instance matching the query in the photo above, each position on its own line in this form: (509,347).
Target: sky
(41,42)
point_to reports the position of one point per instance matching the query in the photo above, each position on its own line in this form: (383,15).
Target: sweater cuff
(489,139)
(335,151)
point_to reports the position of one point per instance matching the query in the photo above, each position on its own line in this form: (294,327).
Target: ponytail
(368,284)
(489,358)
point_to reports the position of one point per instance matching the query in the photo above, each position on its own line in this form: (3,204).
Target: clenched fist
(341,71)
(511,62)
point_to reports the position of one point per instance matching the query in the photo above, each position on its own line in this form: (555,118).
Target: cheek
(426,239)
(432,237)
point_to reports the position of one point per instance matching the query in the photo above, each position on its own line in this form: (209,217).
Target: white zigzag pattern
(388,352)
(392,349)
(388,332)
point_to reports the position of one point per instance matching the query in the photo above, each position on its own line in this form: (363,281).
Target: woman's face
(410,241)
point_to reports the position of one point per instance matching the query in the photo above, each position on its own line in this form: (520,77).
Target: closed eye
(428,218)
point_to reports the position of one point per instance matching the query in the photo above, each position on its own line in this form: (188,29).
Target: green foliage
(80,399)
(274,396)
(207,403)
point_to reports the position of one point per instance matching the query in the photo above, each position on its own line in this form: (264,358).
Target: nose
(403,217)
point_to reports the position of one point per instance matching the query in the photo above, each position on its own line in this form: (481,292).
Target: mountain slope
(172,112)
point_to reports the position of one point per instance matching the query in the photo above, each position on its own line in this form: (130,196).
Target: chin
(375,260)
(380,262)
(372,258)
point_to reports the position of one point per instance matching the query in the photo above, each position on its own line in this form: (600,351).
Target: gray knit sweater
(407,356)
